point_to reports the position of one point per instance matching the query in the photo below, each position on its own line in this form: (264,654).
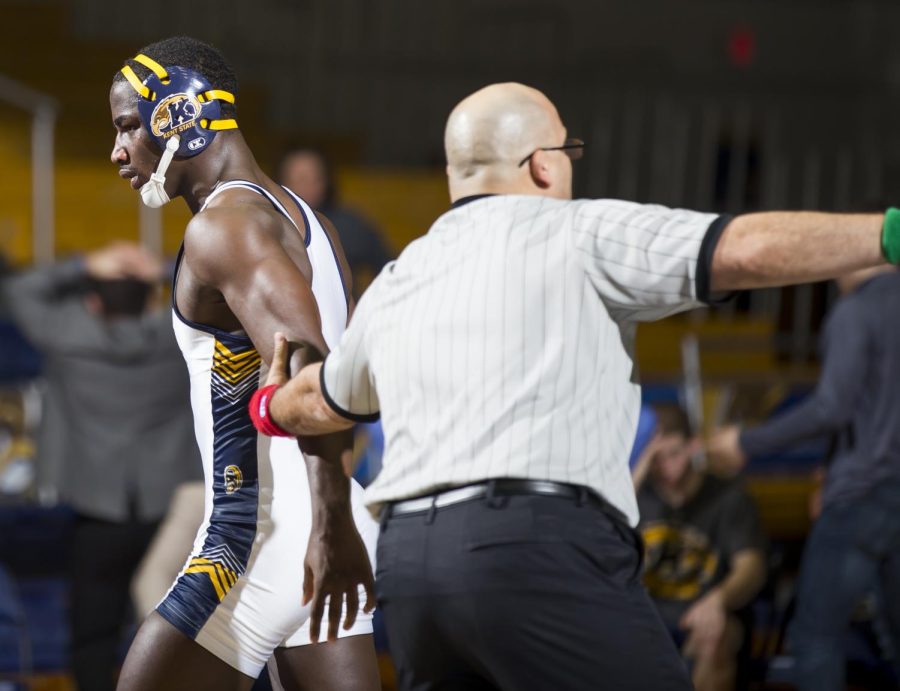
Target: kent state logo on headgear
(183,104)
(175,114)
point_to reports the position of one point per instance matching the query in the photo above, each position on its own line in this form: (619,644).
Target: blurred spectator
(19,361)
(5,269)
(116,435)
(368,450)
(854,546)
(308,173)
(170,548)
(705,558)
(646,428)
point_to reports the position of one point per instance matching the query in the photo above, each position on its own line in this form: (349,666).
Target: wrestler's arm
(234,251)
(328,396)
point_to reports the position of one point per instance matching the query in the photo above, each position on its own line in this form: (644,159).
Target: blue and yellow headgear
(181,112)
(177,101)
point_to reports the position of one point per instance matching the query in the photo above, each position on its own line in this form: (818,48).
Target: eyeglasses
(573,148)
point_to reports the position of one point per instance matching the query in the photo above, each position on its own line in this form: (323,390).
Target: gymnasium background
(720,105)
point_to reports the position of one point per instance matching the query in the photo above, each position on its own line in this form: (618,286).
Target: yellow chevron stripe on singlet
(234,368)
(235,377)
(226,356)
(210,571)
(232,576)
(221,577)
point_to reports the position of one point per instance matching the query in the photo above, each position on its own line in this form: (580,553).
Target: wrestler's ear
(540,170)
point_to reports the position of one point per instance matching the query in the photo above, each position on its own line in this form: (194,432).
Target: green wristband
(890,235)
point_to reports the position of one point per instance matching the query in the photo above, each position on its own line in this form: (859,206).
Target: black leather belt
(502,487)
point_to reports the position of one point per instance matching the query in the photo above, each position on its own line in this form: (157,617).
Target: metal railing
(43,110)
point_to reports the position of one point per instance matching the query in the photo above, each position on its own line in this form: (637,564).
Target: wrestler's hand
(336,564)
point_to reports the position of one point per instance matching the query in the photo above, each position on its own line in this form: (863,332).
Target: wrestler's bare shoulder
(241,231)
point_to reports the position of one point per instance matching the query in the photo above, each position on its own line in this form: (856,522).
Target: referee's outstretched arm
(645,261)
(777,248)
(754,251)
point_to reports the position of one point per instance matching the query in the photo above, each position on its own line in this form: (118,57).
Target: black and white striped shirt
(501,344)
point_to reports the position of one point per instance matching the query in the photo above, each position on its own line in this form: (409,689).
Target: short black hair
(672,419)
(184,51)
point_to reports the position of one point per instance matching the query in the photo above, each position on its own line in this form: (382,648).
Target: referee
(499,351)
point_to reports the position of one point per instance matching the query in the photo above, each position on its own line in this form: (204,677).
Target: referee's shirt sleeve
(346,378)
(647,261)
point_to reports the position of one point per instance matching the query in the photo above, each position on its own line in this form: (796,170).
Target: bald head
(496,127)
(491,131)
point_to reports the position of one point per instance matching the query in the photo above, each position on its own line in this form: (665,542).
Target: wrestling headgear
(181,112)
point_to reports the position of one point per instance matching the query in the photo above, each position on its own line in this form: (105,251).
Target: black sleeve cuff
(355,417)
(704,262)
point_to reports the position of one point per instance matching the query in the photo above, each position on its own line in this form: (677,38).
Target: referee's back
(486,365)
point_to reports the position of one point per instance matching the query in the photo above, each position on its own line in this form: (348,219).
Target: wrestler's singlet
(239,594)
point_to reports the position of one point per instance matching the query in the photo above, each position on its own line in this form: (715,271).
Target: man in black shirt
(855,543)
(705,558)
(309,173)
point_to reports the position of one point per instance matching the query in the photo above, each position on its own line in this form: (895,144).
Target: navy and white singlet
(240,591)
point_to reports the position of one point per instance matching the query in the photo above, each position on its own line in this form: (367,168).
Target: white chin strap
(153,192)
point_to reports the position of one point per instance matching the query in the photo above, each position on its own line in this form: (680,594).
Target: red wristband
(259,413)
